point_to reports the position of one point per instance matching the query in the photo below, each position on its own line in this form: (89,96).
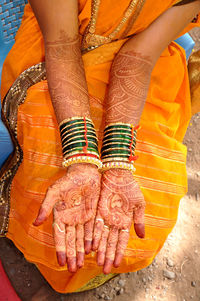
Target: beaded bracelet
(117,165)
(82,159)
(79,141)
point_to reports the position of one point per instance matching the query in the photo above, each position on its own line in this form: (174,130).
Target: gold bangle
(118,165)
(116,159)
(74,118)
(119,123)
(82,159)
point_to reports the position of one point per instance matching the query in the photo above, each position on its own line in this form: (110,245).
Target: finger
(102,246)
(110,252)
(88,235)
(71,248)
(59,239)
(98,228)
(139,221)
(121,246)
(80,245)
(51,198)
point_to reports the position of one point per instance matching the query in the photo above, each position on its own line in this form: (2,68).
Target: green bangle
(80,152)
(117,136)
(128,143)
(78,131)
(75,120)
(79,144)
(119,132)
(78,139)
(78,126)
(80,149)
(117,126)
(116,147)
(115,151)
(113,156)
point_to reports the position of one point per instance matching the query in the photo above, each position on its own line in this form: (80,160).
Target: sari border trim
(11,102)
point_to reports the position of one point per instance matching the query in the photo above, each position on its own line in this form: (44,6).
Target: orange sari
(160,169)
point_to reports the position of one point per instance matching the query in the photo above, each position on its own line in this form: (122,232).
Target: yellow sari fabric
(160,169)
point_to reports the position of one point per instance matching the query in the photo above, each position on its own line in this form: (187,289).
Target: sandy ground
(173,276)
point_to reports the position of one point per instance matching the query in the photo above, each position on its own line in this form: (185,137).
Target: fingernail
(118,260)
(61,257)
(100,258)
(71,263)
(140,230)
(88,246)
(40,218)
(80,260)
(107,266)
(94,245)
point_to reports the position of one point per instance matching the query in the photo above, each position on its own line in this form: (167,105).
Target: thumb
(52,196)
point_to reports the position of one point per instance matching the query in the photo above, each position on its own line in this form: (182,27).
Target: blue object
(11,13)
(187,43)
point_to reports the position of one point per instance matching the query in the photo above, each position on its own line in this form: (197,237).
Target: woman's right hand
(73,199)
(121,204)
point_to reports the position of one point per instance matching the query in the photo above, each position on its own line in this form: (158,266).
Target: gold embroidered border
(14,98)
(96,281)
(90,39)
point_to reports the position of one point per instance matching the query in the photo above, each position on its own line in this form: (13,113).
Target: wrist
(82,166)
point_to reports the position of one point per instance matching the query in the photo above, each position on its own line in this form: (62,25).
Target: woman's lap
(160,171)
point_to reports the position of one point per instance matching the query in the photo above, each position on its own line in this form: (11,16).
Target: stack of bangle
(118,147)
(79,141)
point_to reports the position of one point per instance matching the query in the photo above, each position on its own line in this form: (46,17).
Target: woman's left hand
(121,202)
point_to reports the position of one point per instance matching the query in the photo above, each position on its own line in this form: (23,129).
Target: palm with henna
(121,204)
(73,199)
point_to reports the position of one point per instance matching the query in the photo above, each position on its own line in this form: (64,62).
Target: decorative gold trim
(96,281)
(79,120)
(14,98)
(90,39)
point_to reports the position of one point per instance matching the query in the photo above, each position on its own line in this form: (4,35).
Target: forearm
(66,77)
(58,21)
(131,71)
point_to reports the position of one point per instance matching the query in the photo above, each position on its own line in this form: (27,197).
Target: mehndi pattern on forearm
(66,77)
(129,82)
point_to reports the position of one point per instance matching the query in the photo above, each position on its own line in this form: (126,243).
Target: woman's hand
(121,202)
(73,199)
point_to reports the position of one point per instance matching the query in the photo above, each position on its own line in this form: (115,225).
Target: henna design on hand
(129,82)
(121,202)
(73,199)
(66,77)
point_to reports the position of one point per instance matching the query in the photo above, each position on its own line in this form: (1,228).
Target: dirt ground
(173,276)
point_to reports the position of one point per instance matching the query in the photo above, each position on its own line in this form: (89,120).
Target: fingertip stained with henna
(61,257)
